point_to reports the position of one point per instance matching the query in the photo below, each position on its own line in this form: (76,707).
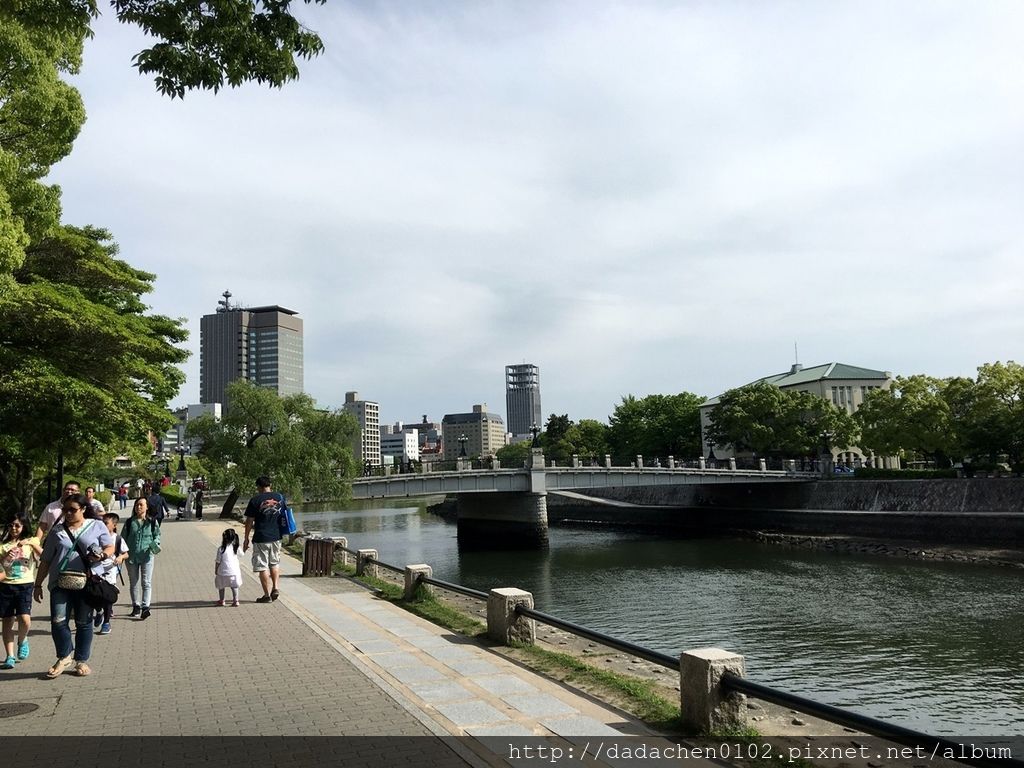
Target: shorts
(265,556)
(15,600)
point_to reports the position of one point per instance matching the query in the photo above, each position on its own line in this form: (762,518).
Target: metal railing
(732,682)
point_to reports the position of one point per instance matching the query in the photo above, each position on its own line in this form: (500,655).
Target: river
(934,646)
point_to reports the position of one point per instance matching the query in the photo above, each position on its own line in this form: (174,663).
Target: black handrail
(875,727)
(612,642)
(388,566)
(452,587)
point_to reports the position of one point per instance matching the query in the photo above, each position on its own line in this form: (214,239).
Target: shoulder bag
(72,581)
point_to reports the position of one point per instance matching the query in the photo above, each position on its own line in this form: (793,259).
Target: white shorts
(266,556)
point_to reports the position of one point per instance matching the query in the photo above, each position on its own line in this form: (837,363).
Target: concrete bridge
(511,504)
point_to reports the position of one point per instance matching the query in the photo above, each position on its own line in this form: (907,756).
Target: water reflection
(933,646)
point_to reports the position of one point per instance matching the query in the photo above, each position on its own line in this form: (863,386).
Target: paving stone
(578,726)
(473,712)
(435,693)
(538,704)
(502,684)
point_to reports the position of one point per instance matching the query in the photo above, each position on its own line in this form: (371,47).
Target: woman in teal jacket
(142,535)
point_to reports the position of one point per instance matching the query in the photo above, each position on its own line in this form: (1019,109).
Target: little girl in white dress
(227,571)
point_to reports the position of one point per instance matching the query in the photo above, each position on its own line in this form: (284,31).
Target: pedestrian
(19,553)
(122,496)
(262,524)
(95,505)
(226,569)
(157,508)
(108,570)
(197,505)
(142,535)
(69,552)
(53,511)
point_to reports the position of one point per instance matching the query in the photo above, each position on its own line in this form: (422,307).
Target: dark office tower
(261,344)
(522,398)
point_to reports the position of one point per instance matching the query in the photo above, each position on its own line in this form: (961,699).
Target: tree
(914,414)
(83,369)
(768,421)
(307,451)
(656,425)
(514,455)
(995,416)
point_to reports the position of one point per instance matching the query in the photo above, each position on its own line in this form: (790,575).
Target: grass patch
(748,736)
(640,697)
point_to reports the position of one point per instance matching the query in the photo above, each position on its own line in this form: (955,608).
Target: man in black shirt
(263,528)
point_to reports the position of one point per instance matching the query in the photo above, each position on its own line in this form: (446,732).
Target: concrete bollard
(340,543)
(704,706)
(639,461)
(412,573)
(575,460)
(761,465)
(702,463)
(364,568)
(732,465)
(504,625)
(671,462)
(607,461)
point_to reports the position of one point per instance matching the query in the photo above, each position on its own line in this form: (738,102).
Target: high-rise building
(366,450)
(522,398)
(261,344)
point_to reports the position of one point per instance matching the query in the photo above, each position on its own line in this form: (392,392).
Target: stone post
(639,461)
(791,465)
(552,464)
(503,624)
(496,463)
(339,543)
(363,567)
(702,463)
(761,465)
(412,573)
(575,460)
(704,706)
(671,462)
(732,465)
(607,461)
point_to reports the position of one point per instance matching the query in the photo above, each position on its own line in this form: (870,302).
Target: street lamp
(182,450)
(535,431)
(462,445)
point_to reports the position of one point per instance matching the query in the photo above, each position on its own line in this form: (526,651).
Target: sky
(638,197)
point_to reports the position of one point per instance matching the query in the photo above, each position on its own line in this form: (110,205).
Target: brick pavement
(327,659)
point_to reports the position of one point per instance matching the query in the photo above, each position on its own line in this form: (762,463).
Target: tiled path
(327,659)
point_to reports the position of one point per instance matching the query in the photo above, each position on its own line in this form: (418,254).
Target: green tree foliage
(655,426)
(914,414)
(514,455)
(991,413)
(83,369)
(307,451)
(768,421)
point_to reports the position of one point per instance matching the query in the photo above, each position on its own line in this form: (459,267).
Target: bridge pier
(502,520)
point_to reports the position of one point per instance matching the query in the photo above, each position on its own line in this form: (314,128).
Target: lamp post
(462,445)
(826,453)
(535,431)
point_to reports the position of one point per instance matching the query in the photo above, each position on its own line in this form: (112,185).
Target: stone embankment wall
(987,512)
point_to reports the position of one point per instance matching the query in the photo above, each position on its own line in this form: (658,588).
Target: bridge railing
(521,607)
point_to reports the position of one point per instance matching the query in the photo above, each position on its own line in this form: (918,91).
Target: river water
(938,647)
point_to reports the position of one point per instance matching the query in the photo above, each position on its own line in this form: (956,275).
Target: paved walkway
(327,659)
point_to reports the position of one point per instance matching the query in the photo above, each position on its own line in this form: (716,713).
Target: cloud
(638,197)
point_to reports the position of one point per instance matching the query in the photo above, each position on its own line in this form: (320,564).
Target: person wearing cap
(263,528)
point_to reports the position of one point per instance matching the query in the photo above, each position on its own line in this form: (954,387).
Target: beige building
(367,446)
(845,386)
(484,434)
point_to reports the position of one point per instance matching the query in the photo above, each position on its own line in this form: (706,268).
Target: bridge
(511,504)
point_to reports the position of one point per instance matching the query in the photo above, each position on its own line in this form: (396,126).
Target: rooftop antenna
(796,354)
(224,304)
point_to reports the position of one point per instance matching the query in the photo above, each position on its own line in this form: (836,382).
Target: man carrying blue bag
(263,527)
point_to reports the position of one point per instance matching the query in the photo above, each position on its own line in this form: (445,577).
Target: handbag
(96,591)
(73,581)
(286,522)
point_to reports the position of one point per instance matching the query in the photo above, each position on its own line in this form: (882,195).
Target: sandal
(58,668)
(82,669)
(274,594)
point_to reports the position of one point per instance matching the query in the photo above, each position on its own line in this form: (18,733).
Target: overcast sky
(638,197)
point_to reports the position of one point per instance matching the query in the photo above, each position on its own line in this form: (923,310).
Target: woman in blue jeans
(142,535)
(63,554)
